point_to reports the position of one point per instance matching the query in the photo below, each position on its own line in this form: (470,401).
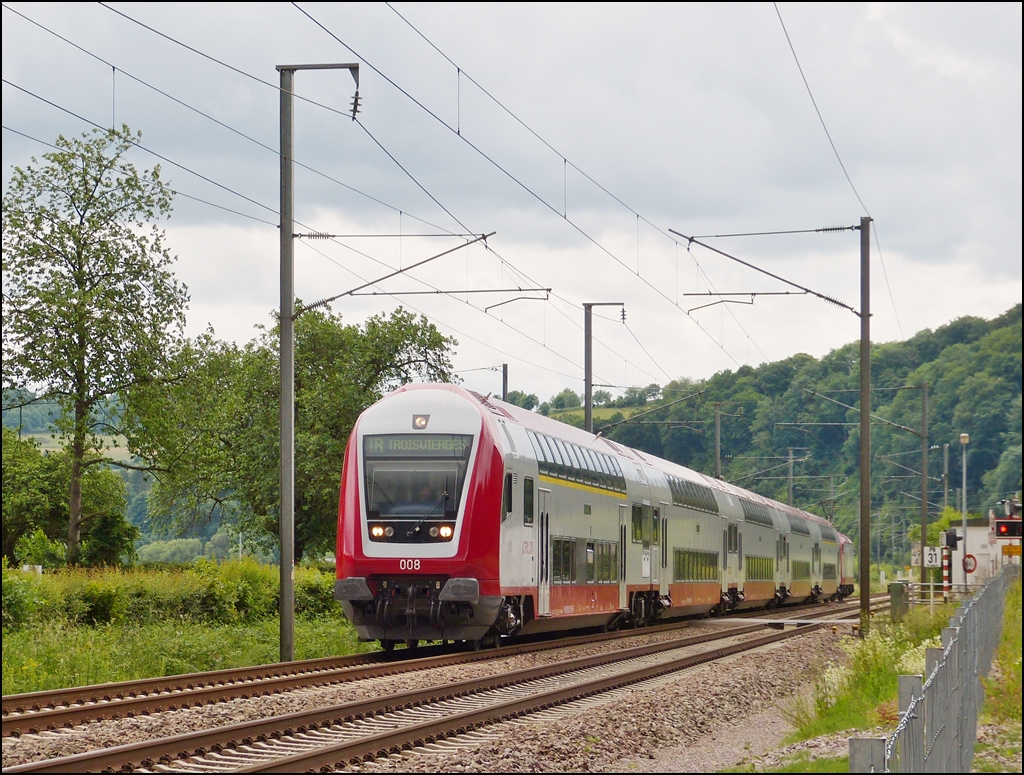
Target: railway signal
(1008,528)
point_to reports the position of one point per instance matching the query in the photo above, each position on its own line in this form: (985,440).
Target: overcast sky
(600,129)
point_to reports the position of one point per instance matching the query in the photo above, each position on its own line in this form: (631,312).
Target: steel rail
(62,708)
(394,742)
(187,745)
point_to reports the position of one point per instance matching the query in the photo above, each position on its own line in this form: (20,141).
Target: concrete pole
(504,382)
(924,474)
(588,368)
(588,359)
(287,407)
(790,478)
(945,476)
(865,425)
(964,441)
(718,440)
(287,366)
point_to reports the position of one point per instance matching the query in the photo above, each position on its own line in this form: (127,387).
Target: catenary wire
(566,162)
(513,178)
(835,150)
(176,192)
(270,85)
(220,123)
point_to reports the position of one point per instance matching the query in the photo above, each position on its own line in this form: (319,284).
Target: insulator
(834,228)
(838,303)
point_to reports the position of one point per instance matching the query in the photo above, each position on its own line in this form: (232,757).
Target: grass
(862,692)
(1003,685)
(999,750)
(803,762)
(56,655)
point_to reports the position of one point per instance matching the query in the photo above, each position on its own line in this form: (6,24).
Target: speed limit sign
(970,563)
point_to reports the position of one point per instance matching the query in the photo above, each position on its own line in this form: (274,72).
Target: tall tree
(221,454)
(90,306)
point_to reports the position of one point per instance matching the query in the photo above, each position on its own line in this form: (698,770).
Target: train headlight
(389,531)
(433,532)
(419,421)
(377,531)
(446,531)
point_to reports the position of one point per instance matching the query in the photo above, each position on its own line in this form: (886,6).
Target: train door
(730,553)
(664,554)
(642,530)
(544,554)
(623,528)
(655,548)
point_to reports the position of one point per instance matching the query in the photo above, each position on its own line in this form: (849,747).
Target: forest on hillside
(810,408)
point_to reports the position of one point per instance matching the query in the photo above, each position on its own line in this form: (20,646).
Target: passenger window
(527,500)
(506,509)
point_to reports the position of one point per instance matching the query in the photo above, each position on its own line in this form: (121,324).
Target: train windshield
(415,476)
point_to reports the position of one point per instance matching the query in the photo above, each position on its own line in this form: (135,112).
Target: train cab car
(418,531)
(463,518)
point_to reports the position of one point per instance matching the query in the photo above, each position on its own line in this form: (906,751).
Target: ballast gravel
(634,732)
(104,734)
(697,723)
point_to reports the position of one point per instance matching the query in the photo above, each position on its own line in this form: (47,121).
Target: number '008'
(408,564)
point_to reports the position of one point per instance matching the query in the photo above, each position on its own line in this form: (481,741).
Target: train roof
(501,410)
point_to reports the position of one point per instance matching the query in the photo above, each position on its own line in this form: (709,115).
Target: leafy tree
(36,492)
(526,400)
(219,546)
(177,551)
(26,501)
(36,549)
(223,426)
(601,397)
(90,307)
(567,399)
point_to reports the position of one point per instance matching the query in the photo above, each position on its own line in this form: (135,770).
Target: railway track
(64,708)
(366,729)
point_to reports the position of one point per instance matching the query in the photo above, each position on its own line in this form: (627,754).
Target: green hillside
(973,370)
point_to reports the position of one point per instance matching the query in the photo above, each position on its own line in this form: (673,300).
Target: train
(464,518)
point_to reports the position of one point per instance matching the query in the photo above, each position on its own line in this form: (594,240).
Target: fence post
(910,747)
(867,754)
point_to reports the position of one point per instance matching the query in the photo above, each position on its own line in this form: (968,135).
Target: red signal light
(1008,528)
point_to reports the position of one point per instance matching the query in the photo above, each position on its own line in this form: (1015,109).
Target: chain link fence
(939,714)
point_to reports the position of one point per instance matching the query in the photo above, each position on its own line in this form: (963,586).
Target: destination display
(417,445)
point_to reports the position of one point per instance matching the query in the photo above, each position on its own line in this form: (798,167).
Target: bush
(177,551)
(17,598)
(36,549)
(314,593)
(845,696)
(233,592)
(251,587)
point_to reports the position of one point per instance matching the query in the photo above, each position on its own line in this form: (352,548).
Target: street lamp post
(965,439)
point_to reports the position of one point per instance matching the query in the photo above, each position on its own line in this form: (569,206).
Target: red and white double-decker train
(465,518)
